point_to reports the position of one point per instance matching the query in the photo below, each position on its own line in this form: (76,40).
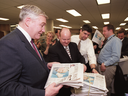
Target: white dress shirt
(28,38)
(86,49)
(25,34)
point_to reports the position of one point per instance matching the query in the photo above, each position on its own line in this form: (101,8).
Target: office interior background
(89,11)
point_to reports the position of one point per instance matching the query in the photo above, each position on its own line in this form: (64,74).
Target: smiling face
(106,32)
(49,37)
(65,37)
(37,26)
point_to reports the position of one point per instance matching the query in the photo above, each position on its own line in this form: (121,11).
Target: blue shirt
(110,53)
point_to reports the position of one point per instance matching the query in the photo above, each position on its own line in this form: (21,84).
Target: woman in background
(48,42)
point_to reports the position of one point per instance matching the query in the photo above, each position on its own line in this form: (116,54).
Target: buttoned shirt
(110,53)
(86,49)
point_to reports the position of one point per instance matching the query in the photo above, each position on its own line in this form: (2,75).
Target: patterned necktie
(79,45)
(67,49)
(34,47)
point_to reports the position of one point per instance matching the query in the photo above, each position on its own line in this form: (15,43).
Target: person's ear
(80,30)
(28,22)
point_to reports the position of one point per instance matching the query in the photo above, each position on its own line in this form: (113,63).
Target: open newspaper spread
(94,85)
(70,74)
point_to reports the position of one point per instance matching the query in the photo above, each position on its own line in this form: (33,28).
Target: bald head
(65,36)
(65,31)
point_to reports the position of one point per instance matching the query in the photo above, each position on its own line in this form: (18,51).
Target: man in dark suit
(121,36)
(58,53)
(23,71)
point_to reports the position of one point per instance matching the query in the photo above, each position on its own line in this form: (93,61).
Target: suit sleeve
(124,50)
(10,72)
(53,56)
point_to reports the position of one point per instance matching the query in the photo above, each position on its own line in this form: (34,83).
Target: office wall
(5,29)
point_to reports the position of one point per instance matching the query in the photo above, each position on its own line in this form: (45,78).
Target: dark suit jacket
(124,50)
(22,73)
(58,53)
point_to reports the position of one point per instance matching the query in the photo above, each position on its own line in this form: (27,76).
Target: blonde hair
(50,32)
(32,11)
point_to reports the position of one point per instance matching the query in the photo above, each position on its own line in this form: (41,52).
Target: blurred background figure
(57,32)
(37,43)
(121,35)
(127,34)
(46,42)
(96,48)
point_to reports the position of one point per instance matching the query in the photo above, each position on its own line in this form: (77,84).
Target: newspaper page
(95,80)
(98,37)
(70,74)
(94,85)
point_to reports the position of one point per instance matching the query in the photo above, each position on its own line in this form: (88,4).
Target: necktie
(79,45)
(34,47)
(67,49)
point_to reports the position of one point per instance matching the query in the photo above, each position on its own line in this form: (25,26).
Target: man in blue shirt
(109,55)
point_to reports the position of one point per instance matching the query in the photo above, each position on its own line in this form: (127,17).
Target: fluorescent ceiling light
(73,12)
(4,19)
(57,27)
(86,21)
(62,20)
(103,2)
(126,19)
(65,26)
(95,27)
(105,16)
(105,23)
(126,28)
(20,7)
(117,28)
(122,24)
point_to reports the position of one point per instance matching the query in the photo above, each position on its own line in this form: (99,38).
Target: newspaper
(124,59)
(94,85)
(70,74)
(98,37)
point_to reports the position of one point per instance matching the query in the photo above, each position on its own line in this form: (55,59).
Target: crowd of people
(25,66)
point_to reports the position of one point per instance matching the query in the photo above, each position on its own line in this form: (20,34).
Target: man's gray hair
(30,10)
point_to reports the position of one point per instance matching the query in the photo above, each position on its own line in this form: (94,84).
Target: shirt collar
(122,39)
(25,33)
(110,36)
(66,47)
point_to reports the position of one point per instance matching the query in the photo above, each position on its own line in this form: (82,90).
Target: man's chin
(84,38)
(66,45)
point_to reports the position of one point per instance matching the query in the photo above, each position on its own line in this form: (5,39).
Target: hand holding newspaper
(70,74)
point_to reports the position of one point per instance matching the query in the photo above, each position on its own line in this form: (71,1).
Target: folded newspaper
(94,85)
(70,74)
(98,37)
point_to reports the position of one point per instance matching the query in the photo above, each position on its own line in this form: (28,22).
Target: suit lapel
(29,47)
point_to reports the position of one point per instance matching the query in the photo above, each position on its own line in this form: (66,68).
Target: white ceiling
(89,9)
